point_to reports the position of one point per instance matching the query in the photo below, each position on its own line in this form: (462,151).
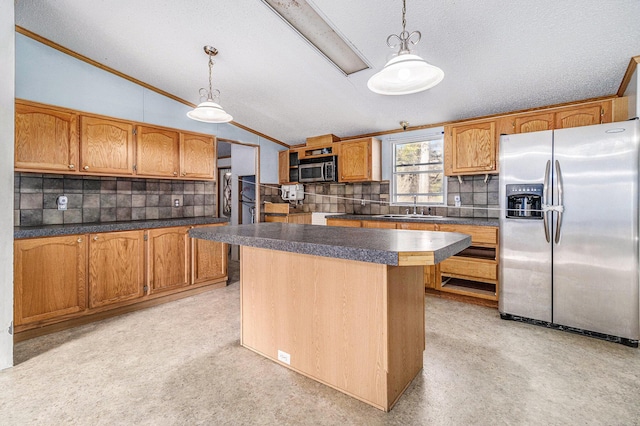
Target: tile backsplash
(478,198)
(108,199)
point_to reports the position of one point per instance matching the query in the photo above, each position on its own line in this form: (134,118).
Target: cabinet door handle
(95,238)
(79,240)
(86,167)
(175,173)
(72,166)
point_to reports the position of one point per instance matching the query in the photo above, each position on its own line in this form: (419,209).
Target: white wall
(46,75)
(632,93)
(7,54)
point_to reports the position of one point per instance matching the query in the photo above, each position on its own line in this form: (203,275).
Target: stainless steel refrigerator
(569,229)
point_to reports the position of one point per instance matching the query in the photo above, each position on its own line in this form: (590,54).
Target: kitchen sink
(408,216)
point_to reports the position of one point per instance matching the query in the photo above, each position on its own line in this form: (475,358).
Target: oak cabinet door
(49,278)
(106,146)
(168,252)
(470,148)
(157,152)
(378,224)
(116,267)
(46,139)
(359,160)
(283,167)
(581,116)
(197,156)
(208,260)
(534,122)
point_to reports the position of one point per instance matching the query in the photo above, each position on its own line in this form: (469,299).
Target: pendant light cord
(210,86)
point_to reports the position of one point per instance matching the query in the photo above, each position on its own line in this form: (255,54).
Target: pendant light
(209,111)
(406,72)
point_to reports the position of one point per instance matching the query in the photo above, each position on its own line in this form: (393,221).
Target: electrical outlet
(62,202)
(456,200)
(362,203)
(284,357)
(176,202)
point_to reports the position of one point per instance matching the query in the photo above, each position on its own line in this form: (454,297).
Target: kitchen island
(342,306)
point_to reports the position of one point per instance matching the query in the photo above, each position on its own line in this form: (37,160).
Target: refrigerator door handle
(545,199)
(560,202)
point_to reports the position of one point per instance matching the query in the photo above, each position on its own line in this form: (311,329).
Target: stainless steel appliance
(321,169)
(569,229)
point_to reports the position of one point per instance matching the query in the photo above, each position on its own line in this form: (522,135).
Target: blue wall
(46,75)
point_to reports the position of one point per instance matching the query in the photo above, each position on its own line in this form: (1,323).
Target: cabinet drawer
(417,226)
(479,234)
(470,268)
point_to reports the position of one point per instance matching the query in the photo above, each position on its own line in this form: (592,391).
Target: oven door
(311,172)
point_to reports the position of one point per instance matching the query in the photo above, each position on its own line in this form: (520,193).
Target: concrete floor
(181,364)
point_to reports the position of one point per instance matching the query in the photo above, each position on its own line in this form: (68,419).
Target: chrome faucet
(415,204)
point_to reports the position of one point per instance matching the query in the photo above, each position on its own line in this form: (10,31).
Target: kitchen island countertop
(383,246)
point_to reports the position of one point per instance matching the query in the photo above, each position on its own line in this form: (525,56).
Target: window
(418,170)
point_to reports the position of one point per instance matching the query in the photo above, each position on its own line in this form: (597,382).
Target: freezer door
(525,254)
(595,269)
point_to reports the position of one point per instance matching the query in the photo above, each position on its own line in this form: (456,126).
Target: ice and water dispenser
(524,201)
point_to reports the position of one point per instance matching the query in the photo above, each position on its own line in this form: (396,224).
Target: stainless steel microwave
(323,169)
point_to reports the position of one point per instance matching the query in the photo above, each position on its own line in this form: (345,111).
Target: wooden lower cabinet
(49,276)
(472,272)
(116,267)
(301,218)
(79,278)
(208,261)
(347,223)
(168,258)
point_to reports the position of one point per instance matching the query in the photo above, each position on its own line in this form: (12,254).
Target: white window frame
(392,183)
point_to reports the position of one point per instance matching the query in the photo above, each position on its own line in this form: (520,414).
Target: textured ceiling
(497,55)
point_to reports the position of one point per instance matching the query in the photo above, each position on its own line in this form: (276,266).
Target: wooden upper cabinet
(46,138)
(49,278)
(566,117)
(197,156)
(534,122)
(582,116)
(106,146)
(283,166)
(167,262)
(470,148)
(116,267)
(359,160)
(157,152)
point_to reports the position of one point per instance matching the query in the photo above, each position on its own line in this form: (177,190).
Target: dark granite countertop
(362,244)
(20,232)
(445,219)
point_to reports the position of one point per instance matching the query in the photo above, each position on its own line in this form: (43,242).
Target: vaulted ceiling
(497,55)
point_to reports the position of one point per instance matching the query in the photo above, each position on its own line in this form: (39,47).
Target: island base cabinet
(355,326)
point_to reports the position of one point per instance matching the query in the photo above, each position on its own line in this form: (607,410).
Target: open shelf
(471,288)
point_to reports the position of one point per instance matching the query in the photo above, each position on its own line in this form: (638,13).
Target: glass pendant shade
(209,112)
(405,74)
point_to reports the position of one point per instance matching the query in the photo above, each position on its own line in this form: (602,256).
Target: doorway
(246,199)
